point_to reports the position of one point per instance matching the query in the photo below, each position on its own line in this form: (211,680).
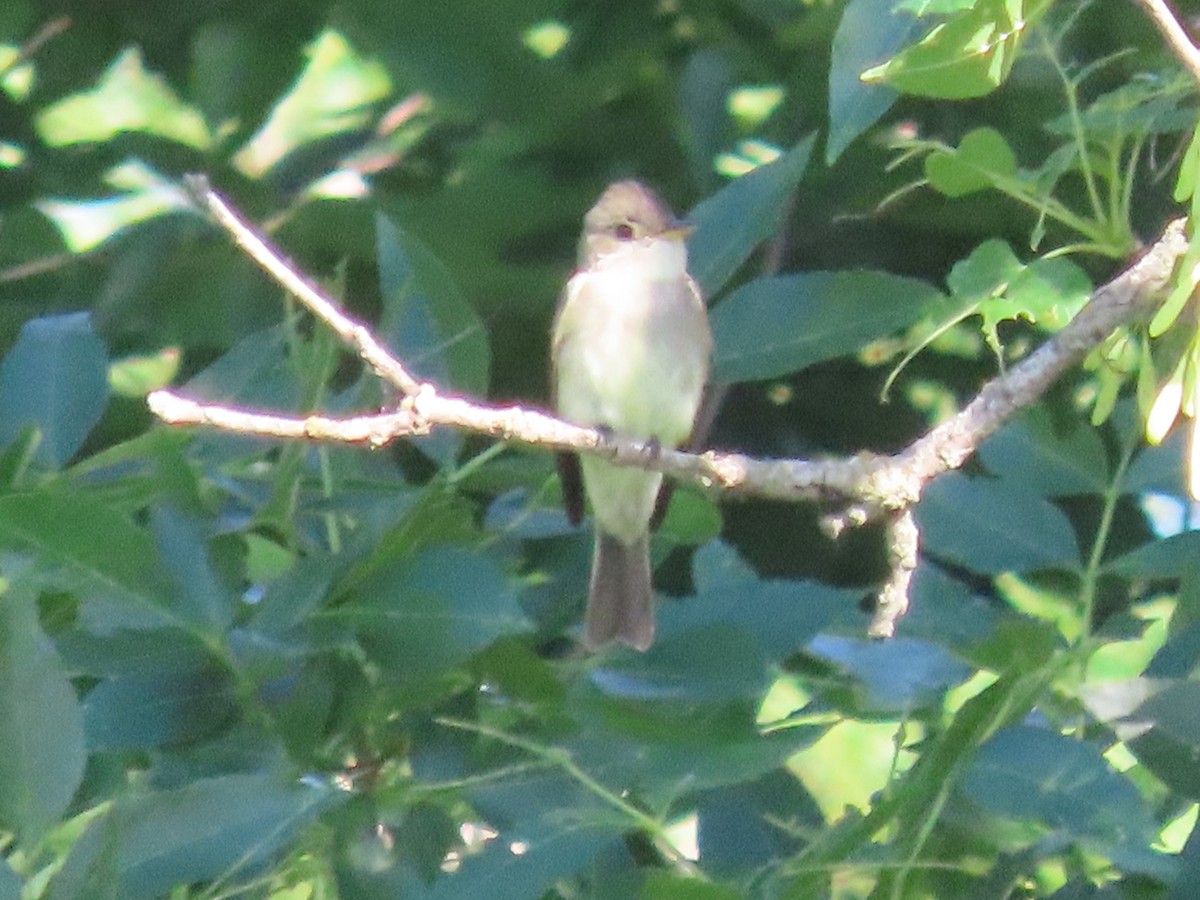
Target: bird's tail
(620,599)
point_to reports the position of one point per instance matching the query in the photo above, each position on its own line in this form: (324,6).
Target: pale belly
(632,357)
(635,360)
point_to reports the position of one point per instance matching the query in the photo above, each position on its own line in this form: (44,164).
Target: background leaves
(233,667)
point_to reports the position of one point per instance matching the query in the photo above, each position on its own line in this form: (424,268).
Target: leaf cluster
(234,668)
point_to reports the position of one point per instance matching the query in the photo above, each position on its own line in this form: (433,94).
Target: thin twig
(904,541)
(561,759)
(29,49)
(867,487)
(1177,38)
(259,249)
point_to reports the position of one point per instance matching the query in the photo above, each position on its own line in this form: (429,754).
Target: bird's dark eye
(624,232)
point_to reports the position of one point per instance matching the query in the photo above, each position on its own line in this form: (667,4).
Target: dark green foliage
(232,667)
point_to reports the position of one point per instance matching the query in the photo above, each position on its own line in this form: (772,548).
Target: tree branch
(867,487)
(1172,30)
(259,249)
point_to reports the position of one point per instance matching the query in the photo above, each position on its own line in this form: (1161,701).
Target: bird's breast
(632,353)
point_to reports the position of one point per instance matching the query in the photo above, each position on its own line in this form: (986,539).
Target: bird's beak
(680,231)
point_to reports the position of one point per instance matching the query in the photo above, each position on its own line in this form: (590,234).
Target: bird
(630,350)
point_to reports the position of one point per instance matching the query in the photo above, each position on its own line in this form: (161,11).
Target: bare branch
(1177,38)
(1123,299)
(892,601)
(376,431)
(865,487)
(259,249)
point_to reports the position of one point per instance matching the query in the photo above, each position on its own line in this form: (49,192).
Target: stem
(560,758)
(467,469)
(333,533)
(1091,573)
(1071,90)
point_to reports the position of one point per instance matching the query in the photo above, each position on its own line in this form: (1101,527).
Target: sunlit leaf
(137,376)
(145,195)
(967,55)
(734,221)
(335,94)
(126,99)
(982,156)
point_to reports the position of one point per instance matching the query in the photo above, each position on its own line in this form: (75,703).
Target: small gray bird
(630,350)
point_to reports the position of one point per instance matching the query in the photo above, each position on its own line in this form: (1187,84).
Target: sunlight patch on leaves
(335,94)
(126,99)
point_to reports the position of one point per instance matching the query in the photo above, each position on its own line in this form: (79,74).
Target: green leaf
(1158,468)
(559,828)
(1169,747)
(967,55)
(137,376)
(1172,557)
(334,95)
(1189,170)
(1142,107)
(200,595)
(663,885)
(419,617)
(981,157)
(125,652)
(296,594)
(900,674)
(1047,292)
(869,32)
(704,88)
(427,322)
(1166,314)
(549,827)
(734,221)
(699,665)
(946,610)
(144,195)
(1029,774)
(223,827)
(54,377)
(986,272)
(993,282)
(113,561)
(127,99)
(781,616)
(1033,452)
(254,372)
(993,526)
(10,883)
(779,325)
(155,709)
(663,750)
(933,7)
(429,325)
(736,823)
(41,725)
(692,519)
